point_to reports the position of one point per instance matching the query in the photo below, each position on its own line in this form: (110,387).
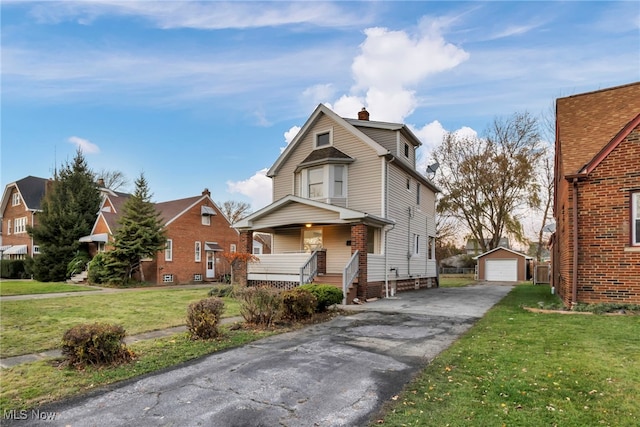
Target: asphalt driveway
(338,373)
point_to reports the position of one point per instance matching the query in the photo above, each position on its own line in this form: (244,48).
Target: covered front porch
(317,242)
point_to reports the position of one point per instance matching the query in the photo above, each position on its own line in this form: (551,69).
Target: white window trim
(8,227)
(198,251)
(321,132)
(328,181)
(635,217)
(233,248)
(168,250)
(167,278)
(206,219)
(20,225)
(15,199)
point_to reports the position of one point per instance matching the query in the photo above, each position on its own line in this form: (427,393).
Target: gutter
(574,179)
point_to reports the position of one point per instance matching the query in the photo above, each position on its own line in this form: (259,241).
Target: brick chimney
(363,114)
(100,182)
(206,192)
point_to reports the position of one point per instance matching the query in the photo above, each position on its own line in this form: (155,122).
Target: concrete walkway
(337,373)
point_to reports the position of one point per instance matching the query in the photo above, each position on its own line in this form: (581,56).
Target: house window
(315,183)
(20,225)
(635,219)
(15,199)
(197,277)
(257,250)
(101,247)
(416,244)
(232,248)
(206,220)
(338,180)
(372,240)
(8,227)
(311,239)
(417,193)
(408,184)
(406,150)
(432,247)
(167,278)
(323,139)
(198,251)
(36,250)
(168,251)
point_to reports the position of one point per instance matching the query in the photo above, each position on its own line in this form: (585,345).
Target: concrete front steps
(335,279)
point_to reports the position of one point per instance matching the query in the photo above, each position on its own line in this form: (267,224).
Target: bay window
(325,182)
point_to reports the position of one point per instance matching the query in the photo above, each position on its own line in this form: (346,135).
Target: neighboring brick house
(197,233)
(20,206)
(596,245)
(350,208)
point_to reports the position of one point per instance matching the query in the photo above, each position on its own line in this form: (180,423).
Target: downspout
(409,244)
(574,285)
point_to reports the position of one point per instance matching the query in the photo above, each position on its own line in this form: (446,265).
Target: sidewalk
(9,362)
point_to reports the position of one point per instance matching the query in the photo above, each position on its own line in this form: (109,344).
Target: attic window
(15,199)
(323,139)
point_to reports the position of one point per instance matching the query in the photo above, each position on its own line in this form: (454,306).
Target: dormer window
(323,139)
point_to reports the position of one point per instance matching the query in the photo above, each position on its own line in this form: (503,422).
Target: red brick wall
(12,213)
(608,268)
(359,243)
(185,231)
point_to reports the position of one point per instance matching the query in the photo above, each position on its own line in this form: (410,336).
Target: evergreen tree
(68,212)
(140,234)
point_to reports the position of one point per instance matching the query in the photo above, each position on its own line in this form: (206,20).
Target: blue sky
(207,94)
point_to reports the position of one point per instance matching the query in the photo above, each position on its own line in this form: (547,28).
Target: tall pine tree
(140,234)
(68,212)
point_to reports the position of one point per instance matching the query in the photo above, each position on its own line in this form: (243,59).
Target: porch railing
(309,270)
(350,272)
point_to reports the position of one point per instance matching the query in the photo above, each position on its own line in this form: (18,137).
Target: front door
(211,265)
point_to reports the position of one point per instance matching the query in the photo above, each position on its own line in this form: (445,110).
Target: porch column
(240,270)
(359,243)
(322,261)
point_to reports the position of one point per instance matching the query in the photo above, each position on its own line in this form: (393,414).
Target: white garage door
(501,270)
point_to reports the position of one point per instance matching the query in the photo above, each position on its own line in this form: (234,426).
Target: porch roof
(293,210)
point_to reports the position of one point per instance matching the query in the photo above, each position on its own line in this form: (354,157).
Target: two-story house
(349,205)
(596,246)
(20,206)
(197,233)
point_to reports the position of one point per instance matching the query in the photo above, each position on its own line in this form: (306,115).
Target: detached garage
(502,265)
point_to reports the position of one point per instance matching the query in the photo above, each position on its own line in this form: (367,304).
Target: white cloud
(347,106)
(86,146)
(205,15)
(319,93)
(257,188)
(391,63)
(291,133)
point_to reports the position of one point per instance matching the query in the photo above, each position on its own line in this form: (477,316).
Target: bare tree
(489,181)
(113,180)
(234,210)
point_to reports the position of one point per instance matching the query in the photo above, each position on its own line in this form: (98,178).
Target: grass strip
(33,384)
(516,368)
(37,325)
(22,287)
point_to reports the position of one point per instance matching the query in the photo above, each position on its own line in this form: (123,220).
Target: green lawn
(35,325)
(516,368)
(24,287)
(456,280)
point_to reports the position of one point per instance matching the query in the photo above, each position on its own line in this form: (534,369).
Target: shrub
(13,269)
(95,344)
(78,263)
(259,305)
(221,291)
(203,317)
(327,295)
(298,304)
(97,270)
